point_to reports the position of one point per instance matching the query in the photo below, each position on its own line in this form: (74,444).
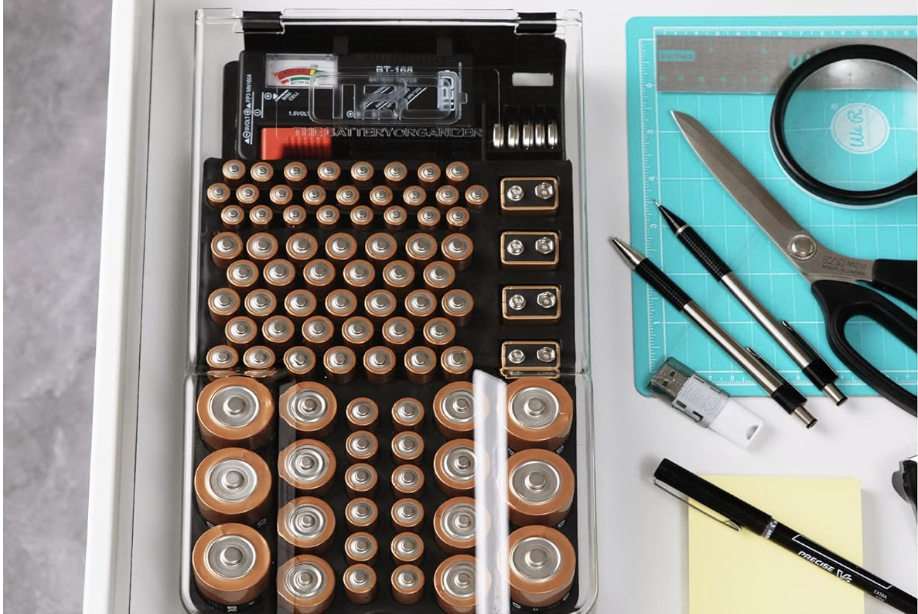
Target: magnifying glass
(844,125)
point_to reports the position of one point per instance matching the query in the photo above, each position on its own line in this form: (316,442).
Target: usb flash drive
(704,403)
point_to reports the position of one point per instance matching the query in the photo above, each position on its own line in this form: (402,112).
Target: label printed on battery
(300,70)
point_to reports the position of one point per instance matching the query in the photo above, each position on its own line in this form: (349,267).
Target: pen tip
(631,255)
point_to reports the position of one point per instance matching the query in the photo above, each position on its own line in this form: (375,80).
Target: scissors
(837,281)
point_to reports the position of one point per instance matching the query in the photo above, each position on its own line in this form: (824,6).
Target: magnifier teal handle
(898,278)
(840,301)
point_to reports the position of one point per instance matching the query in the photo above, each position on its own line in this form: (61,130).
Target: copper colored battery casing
(361,514)
(235,412)
(261,172)
(457,249)
(340,364)
(300,362)
(447,196)
(454,410)
(308,465)
(222,357)
(260,216)
(379,364)
(455,524)
(407,547)
(420,305)
(420,248)
(379,305)
(318,332)
(307,524)
(457,305)
(362,173)
(347,196)
(398,275)
(361,480)
(380,247)
(259,357)
(340,247)
(327,217)
(360,547)
(538,543)
(309,408)
(231,591)
(232,217)
(361,217)
(407,514)
(362,414)
(439,276)
(261,247)
(233,172)
(305,569)
(340,304)
(420,364)
(278,331)
(428,218)
(215,374)
(380,197)
(454,584)
(301,247)
(294,217)
(295,173)
(407,447)
(313,197)
(319,275)
(414,197)
(407,481)
(359,275)
(457,218)
(541,487)
(429,174)
(259,304)
(279,274)
(222,304)
(300,304)
(454,467)
(359,584)
(247,194)
(398,333)
(240,332)
(233,485)
(328,173)
(457,173)
(439,332)
(218,194)
(456,362)
(281,195)
(361,447)
(395,217)
(225,248)
(395,173)
(476,196)
(407,414)
(407,584)
(540,413)
(357,332)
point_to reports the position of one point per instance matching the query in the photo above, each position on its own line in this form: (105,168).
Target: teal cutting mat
(663,167)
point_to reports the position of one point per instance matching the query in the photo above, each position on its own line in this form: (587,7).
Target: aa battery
(247,194)
(361,480)
(380,247)
(340,304)
(327,217)
(456,362)
(218,194)
(261,247)
(407,447)
(398,275)
(359,584)
(381,197)
(457,218)
(231,563)
(476,196)
(379,305)
(259,304)
(407,584)
(222,357)
(539,414)
(360,547)
(318,332)
(541,488)
(407,514)
(261,172)
(414,197)
(454,525)
(428,218)
(457,305)
(242,276)
(439,276)
(429,174)
(328,173)
(397,333)
(379,364)
(313,197)
(457,249)
(232,217)
(407,481)
(308,465)
(447,196)
(454,467)
(258,358)
(439,332)
(305,585)
(279,274)
(455,584)
(362,173)
(233,485)
(307,524)
(395,173)
(235,412)
(361,217)
(341,247)
(240,332)
(295,173)
(340,364)
(457,173)
(294,217)
(225,248)
(261,216)
(407,414)
(301,247)
(362,414)
(395,217)
(233,172)
(281,195)
(359,275)
(407,547)
(319,275)
(309,408)
(300,304)
(357,332)
(278,331)
(300,362)
(361,447)
(222,304)
(347,196)
(420,248)
(420,305)
(361,514)
(541,566)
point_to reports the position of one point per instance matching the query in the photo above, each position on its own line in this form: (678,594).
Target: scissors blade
(798,245)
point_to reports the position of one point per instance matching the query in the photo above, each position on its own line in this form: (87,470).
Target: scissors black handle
(898,277)
(841,301)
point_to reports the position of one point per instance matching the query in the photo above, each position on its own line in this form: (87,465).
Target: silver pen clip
(803,343)
(676,495)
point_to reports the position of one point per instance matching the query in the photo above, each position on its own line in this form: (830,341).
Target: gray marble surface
(56,68)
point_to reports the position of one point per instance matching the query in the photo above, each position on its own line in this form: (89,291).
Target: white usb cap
(704,403)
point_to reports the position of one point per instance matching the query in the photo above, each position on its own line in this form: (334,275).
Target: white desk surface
(642,533)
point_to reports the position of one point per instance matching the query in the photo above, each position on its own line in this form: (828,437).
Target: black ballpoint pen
(814,367)
(740,514)
(778,388)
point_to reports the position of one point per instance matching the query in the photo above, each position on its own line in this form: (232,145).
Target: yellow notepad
(740,573)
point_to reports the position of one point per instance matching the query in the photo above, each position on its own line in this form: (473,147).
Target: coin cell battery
(233,485)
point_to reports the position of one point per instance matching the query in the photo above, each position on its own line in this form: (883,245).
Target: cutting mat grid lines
(663,167)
